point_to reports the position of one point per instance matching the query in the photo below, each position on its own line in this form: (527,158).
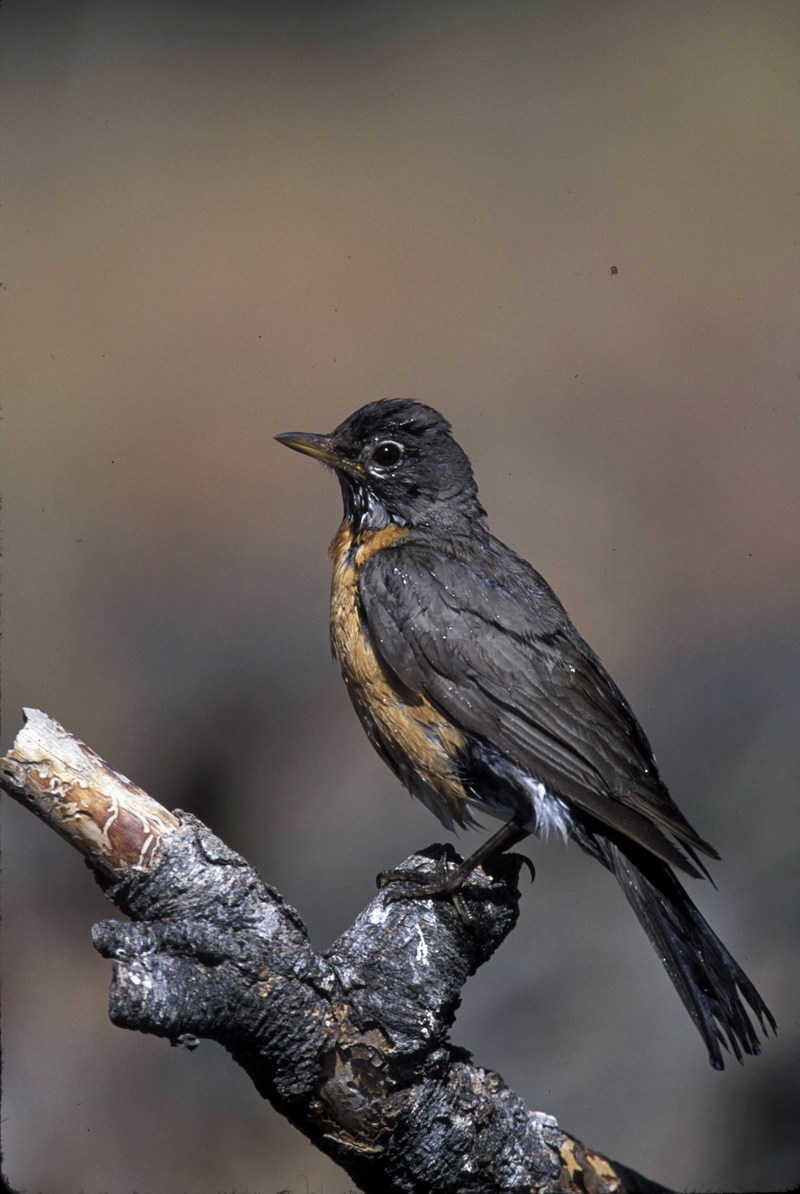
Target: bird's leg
(421,886)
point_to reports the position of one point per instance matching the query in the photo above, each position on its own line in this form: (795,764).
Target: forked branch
(351,1045)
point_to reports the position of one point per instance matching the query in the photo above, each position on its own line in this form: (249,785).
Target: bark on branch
(351,1045)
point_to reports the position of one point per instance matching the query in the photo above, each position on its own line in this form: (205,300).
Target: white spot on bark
(422,948)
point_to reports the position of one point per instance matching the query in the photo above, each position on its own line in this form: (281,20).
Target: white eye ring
(387,454)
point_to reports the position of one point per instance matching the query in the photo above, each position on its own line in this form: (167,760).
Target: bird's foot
(445,881)
(422,885)
(451,873)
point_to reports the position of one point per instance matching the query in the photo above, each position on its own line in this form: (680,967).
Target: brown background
(226,221)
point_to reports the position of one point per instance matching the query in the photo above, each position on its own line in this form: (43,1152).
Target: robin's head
(397,462)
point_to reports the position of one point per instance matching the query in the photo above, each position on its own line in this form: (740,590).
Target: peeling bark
(352,1045)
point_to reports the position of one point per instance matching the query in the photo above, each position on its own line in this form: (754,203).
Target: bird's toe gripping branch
(455,879)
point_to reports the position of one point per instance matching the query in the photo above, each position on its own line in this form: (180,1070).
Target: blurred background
(574,229)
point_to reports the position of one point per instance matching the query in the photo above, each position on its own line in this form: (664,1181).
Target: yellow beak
(321,448)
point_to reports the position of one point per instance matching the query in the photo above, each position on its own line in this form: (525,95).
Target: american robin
(474,686)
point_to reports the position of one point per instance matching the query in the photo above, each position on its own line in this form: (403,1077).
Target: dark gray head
(397,462)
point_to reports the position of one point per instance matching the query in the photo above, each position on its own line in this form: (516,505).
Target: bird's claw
(419,885)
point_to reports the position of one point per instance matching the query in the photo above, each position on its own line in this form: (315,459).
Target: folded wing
(504,662)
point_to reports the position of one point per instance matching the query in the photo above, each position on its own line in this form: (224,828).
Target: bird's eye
(387,454)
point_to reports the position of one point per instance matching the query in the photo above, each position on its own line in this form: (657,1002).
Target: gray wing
(502,659)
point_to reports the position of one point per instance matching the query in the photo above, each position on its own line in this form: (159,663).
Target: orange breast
(404,726)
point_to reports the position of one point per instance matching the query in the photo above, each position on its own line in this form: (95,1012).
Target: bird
(476,689)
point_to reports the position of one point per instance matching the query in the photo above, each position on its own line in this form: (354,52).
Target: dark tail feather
(708,980)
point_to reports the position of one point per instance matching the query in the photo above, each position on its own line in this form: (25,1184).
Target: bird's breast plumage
(420,744)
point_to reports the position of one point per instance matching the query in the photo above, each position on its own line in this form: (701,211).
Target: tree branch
(351,1045)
